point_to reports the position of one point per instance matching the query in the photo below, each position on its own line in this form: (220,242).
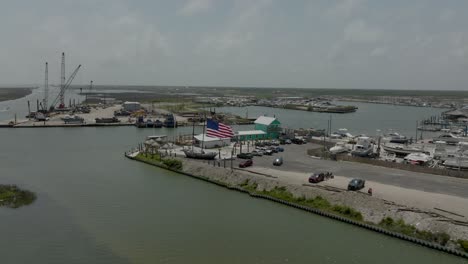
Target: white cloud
(193,7)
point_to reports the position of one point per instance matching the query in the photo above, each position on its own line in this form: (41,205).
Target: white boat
(402,150)
(440,152)
(340,147)
(363,147)
(74,119)
(418,158)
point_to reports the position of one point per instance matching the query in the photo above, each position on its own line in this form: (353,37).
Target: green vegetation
(400,226)
(318,202)
(463,244)
(173,164)
(13,197)
(170,163)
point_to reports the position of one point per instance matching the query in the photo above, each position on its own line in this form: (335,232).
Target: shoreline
(9,94)
(236,179)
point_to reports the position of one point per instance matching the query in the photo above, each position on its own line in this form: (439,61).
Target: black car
(356,184)
(297,141)
(245,156)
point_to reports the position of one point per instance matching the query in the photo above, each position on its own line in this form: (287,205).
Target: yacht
(340,147)
(363,147)
(397,138)
(418,158)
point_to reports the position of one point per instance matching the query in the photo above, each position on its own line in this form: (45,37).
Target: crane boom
(65,86)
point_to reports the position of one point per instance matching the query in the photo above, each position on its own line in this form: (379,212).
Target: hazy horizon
(338,44)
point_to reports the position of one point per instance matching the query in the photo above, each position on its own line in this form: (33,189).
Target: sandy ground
(89,118)
(399,195)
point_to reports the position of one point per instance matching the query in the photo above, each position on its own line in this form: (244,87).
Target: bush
(174,164)
(401,227)
(463,244)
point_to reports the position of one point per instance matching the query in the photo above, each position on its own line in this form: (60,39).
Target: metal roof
(265,120)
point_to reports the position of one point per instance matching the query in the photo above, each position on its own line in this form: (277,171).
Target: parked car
(320,176)
(275,142)
(246,163)
(356,184)
(297,141)
(280,149)
(268,152)
(288,141)
(316,178)
(257,153)
(273,149)
(278,161)
(245,155)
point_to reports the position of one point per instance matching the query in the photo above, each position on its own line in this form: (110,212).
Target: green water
(95,206)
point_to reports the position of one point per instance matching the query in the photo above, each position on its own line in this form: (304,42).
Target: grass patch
(173,164)
(13,197)
(317,202)
(400,226)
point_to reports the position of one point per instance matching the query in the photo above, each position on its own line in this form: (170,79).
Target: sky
(398,44)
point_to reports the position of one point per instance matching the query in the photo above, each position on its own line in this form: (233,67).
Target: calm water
(95,206)
(366,120)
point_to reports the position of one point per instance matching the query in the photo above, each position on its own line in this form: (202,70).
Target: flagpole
(204,128)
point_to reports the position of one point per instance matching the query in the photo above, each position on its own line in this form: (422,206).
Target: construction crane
(62,82)
(65,87)
(46,88)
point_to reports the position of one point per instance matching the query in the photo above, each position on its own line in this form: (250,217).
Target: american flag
(216,129)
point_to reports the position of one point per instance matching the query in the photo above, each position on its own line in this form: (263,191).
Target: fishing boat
(74,119)
(107,120)
(170,121)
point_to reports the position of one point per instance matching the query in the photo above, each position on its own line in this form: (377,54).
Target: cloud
(193,7)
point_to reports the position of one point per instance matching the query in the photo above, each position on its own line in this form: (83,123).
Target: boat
(402,150)
(440,152)
(191,154)
(363,147)
(456,163)
(418,158)
(340,147)
(397,138)
(170,121)
(74,119)
(107,120)
(141,123)
(40,116)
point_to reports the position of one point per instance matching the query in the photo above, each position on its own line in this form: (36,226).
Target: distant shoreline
(7,94)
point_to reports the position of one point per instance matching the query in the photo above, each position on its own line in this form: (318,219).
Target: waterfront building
(211,142)
(131,106)
(270,125)
(251,135)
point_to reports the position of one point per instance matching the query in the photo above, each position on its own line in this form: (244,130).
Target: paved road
(296,159)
